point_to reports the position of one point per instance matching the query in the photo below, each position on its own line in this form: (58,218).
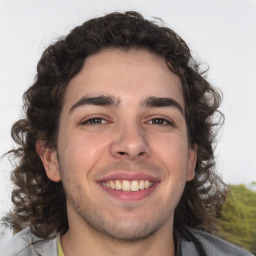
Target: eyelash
(100,120)
(160,121)
(90,121)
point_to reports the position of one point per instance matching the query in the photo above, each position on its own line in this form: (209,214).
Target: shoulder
(213,245)
(26,244)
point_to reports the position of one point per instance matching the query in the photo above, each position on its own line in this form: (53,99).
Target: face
(123,153)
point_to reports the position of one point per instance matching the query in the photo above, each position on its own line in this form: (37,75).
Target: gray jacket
(189,242)
(192,242)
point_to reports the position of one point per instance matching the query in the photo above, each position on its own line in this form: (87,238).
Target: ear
(50,161)
(192,157)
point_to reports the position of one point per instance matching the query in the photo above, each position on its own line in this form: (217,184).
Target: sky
(220,33)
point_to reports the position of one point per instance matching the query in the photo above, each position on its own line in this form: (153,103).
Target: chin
(128,233)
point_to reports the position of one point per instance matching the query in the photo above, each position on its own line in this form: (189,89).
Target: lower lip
(132,195)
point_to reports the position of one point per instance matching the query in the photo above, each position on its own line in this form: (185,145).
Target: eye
(94,121)
(160,121)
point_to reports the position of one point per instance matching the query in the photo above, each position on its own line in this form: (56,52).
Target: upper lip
(124,175)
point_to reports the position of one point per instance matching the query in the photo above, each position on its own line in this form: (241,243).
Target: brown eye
(160,121)
(94,121)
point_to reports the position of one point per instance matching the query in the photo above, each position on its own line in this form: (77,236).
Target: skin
(127,137)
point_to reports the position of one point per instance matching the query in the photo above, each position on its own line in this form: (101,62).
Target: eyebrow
(101,100)
(105,100)
(161,102)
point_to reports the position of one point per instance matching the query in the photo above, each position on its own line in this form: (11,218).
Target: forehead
(128,75)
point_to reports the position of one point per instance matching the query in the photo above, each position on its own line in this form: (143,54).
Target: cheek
(173,151)
(82,152)
(173,155)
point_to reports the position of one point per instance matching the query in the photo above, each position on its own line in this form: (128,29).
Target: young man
(115,153)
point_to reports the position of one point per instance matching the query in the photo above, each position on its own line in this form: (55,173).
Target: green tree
(238,221)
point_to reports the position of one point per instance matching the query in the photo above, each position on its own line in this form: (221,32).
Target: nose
(130,143)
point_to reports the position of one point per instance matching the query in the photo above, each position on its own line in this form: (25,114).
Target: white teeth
(112,184)
(135,185)
(147,184)
(126,185)
(118,185)
(142,184)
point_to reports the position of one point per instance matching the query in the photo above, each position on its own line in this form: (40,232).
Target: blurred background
(220,33)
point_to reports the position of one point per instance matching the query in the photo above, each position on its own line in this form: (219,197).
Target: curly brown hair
(40,203)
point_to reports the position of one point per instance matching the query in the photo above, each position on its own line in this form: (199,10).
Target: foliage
(237,222)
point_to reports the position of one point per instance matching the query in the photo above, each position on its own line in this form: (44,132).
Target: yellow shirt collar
(59,248)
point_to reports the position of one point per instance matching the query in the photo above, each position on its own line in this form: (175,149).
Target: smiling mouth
(127,185)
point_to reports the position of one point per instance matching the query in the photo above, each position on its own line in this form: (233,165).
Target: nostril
(121,153)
